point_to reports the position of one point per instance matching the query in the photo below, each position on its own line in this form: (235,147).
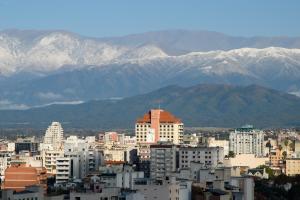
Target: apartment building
(247,140)
(54,136)
(162,160)
(292,166)
(210,156)
(63,169)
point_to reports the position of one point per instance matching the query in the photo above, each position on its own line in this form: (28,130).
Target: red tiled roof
(165,117)
(17,177)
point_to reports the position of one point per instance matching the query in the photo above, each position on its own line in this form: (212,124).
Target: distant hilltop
(203,105)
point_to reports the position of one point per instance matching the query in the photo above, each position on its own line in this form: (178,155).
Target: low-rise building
(29,192)
(169,188)
(258,172)
(292,166)
(28,144)
(27,159)
(126,179)
(18,177)
(249,160)
(212,142)
(190,139)
(102,193)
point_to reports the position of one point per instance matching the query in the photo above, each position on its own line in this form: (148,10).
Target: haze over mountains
(44,67)
(200,105)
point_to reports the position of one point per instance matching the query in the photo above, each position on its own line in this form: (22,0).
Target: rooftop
(164,117)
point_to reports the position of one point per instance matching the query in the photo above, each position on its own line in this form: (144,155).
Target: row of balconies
(62,167)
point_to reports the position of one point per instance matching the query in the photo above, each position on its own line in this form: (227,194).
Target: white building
(212,142)
(247,140)
(28,159)
(245,187)
(5,158)
(246,160)
(80,156)
(54,135)
(162,160)
(115,154)
(158,125)
(11,146)
(191,139)
(210,156)
(49,159)
(126,179)
(63,169)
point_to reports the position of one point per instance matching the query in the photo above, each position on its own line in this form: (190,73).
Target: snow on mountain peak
(50,51)
(53,50)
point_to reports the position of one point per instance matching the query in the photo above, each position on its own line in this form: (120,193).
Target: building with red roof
(17,177)
(158,125)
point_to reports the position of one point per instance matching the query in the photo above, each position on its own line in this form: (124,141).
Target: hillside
(200,105)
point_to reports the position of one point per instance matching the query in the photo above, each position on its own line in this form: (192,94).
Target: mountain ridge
(200,105)
(61,66)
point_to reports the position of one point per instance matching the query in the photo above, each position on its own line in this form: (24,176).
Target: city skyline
(149,100)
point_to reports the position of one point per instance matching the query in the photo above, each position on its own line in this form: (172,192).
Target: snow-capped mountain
(43,67)
(49,52)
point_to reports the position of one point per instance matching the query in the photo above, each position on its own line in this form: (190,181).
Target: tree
(231,154)
(286,143)
(281,179)
(269,171)
(294,192)
(284,155)
(292,146)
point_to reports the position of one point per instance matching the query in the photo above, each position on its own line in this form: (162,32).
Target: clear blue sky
(111,17)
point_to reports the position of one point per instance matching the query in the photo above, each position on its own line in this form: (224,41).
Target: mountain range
(39,68)
(199,105)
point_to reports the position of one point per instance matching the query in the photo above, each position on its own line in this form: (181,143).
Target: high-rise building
(247,140)
(78,159)
(54,135)
(158,125)
(162,160)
